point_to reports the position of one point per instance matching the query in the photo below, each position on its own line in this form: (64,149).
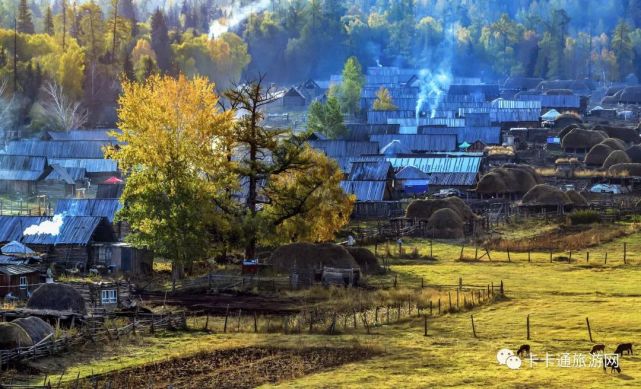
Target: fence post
(376,316)
(528,327)
(422,283)
(449,295)
(226,316)
(395,280)
(501,290)
(457,300)
(461,256)
(206,322)
(606,258)
(550,256)
(430,307)
(587,321)
(439,305)
(425,325)
(508,254)
(587,256)
(625,253)
(473,327)
(476,252)
(570,258)
(255,321)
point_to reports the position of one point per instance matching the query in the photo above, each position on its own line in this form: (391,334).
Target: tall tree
(173,166)
(160,41)
(383,101)
(349,91)
(326,118)
(48,22)
(25,24)
(622,47)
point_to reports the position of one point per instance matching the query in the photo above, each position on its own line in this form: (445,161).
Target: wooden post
(376,316)
(255,321)
(473,327)
(501,290)
(457,299)
(587,257)
(449,295)
(424,325)
(625,253)
(439,305)
(461,256)
(388,314)
(508,255)
(422,283)
(431,254)
(528,327)
(606,258)
(206,322)
(587,321)
(226,316)
(430,307)
(476,252)
(528,256)
(395,280)
(550,256)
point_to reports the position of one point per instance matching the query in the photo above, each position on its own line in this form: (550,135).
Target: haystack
(13,336)
(626,169)
(615,157)
(546,195)
(634,153)
(626,134)
(577,198)
(57,297)
(37,328)
(366,260)
(567,129)
(582,139)
(509,178)
(445,224)
(567,118)
(614,143)
(307,257)
(598,154)
(424,209)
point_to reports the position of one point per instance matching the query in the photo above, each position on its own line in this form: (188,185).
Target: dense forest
(62,62)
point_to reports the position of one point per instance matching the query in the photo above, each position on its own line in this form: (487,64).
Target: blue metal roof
(106,208)
(58,149)
(419,143)
(21,167)
(90,165)
(82,135)
(365,190)
(370,171)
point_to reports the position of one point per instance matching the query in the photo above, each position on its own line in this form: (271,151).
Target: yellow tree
(383,101)
(173,165)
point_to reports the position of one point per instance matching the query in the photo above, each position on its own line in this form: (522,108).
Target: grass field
(558,297)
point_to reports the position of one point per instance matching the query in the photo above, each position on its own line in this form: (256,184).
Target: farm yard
(557,296)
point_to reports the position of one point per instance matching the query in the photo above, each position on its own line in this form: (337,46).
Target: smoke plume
(49,227)
(236,16)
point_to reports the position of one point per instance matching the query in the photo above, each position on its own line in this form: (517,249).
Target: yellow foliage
(383,101)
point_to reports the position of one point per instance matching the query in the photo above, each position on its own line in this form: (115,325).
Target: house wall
(11,283)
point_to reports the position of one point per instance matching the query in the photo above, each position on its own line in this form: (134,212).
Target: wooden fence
(94,331)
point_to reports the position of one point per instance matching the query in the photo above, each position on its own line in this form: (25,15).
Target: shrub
(585,217)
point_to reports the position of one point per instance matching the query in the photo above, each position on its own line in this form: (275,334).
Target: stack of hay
(58,298)
(634,153)
(308,257)
(579,138)
(23,332)
(626,134)
(544,195)
(509,178)
(625,169)
(616,157)
(445,217)
(578,201)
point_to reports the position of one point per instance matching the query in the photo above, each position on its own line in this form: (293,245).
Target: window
(108,296)
(23,282)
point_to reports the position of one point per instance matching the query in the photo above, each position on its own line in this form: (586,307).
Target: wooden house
(18,280)
(293,99)
(106,295)
(19,174)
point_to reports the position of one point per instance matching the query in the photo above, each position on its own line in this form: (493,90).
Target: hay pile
(577,198)
(634,153)
(625,169)
(567,118)
(445,224)
(598,154)
(57,297)
(567,129)
(13,336)
(614,143)
(616,157)
(626,134)
(509,178)
(582,139)
(546,195)
(424,209)
(307,257)
(35,327)
(366,260)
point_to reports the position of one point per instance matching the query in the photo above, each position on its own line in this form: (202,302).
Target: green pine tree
(48,22)
(25,24)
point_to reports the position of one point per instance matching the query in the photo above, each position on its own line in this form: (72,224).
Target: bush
(585,217)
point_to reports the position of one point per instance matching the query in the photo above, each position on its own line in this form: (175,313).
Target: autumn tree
(290,192)
(48,22)
(174,168)
(351,86)
(383,101)
(326,118)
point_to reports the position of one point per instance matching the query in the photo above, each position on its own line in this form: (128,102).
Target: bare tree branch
(63,112)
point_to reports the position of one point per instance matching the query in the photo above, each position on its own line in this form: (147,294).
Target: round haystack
(445,224)
(598,154)
(366,260)
(13,336)
(567,129)
(546,195)
(37,328)
(461,208)
(634,153)
(509,178)
(307,257)
(614,143)
(424,209)
(626,134)
(577,198)
(626,169)
(57,297)
(631,95)
(567,118)
(582,139)
(615,157)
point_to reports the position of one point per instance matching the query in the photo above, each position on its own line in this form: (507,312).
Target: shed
(293,98)
(412,180)
(20,173)
(19,280)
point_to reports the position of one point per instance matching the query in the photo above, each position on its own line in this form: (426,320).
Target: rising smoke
(49,227)
(235,17)
(435,77)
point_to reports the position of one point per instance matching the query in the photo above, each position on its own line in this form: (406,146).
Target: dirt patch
(234,368)
(564,238)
